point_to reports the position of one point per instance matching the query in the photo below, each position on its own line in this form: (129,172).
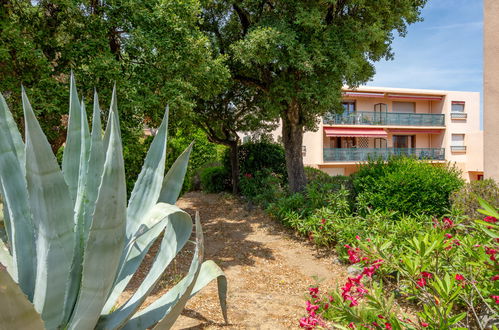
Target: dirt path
(268,271)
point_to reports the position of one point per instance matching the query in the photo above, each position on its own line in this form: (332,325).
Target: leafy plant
(257,156)
(215,179)
(74,243)
(406,185)
(466,199)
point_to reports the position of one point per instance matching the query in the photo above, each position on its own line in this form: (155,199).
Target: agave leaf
(106,238)
(113,112)
(20,233)
(157,219)
(8,124)
(174,179)
(81,197)
(50,200)
(7,260)
(96,160)
(17,311)
(165,310)
(210,271)
(177,231)
(147,188)
(72,149)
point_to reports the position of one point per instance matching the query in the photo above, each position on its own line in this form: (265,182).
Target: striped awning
(355,132)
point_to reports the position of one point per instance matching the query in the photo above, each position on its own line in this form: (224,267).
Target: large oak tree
(299,54)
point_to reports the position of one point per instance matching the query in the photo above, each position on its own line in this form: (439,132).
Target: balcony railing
(365,154)
(458,115)
(385,118)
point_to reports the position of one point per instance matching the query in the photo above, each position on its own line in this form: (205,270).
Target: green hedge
(466,201)
(406,185)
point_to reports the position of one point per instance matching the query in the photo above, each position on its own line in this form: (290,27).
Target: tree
(221,118)
(299,54)
(153,50)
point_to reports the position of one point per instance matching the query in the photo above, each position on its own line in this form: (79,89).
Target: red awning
(415,131)
(357,132)
(415,97)
(363,94)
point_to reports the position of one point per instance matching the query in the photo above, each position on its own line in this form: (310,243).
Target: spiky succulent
(73,242)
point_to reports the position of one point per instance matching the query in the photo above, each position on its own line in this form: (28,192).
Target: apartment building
(432,125)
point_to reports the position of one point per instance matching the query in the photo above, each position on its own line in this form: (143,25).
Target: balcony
(458,115)
(365,154)
(385,119)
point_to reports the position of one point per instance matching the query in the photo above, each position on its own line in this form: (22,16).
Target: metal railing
(365,154)
(458,115)
(458,148)
(385,118)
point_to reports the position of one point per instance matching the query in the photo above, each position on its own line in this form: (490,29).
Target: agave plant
(73,241)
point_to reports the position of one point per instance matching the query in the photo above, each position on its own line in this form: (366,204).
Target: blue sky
(442,52)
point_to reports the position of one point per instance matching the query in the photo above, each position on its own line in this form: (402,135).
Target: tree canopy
(301,53)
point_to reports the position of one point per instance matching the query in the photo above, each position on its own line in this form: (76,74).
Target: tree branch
(243,18)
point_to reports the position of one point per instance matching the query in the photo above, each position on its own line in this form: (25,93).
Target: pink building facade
(432,125)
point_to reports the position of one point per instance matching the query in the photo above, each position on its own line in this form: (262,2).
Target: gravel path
(268,270)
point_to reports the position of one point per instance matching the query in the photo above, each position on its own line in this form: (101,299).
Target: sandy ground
(267,268)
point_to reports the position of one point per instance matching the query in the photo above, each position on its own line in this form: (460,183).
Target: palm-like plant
(73,242)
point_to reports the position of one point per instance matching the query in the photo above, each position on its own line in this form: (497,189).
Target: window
(457,106)
(348,107)
(404,141)
(457,110)
(404,107)
(457,144)
(379,143)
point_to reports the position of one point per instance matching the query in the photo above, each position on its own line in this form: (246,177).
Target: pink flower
(357,237)
(248,175)
(459,277)
(424,324)
(323,221)
(313,291)
(388,325)
(351,325)
(331,299)
(496,299)
(490,219)
(448,223)
(448,235)
(311,308)
(381,317)
(369,271)
(421,282)
(494,278)
(426,275)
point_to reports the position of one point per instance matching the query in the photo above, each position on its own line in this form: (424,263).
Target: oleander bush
(466,199)
(406,185)
(445,274)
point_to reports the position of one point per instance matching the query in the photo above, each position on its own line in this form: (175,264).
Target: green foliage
(203,152)
(446,270)
(215,179)
(406,185)
(69,269)
(258,156)
(466,199)
(263,187)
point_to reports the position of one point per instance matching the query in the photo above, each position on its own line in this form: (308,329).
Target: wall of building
(491,89)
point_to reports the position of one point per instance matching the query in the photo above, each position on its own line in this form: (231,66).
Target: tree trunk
(292,137)
(234,165)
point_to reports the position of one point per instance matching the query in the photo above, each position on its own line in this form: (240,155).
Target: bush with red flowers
(447,274)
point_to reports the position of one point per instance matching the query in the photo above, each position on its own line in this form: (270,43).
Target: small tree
(299,54)
(235,110)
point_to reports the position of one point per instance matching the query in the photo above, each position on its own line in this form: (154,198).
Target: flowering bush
(448,273)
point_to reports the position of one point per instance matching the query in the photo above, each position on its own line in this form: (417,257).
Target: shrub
(446,270)
(406,185)
(466,201)
(215,179)
(256,156)
(263,187)
(203,153)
